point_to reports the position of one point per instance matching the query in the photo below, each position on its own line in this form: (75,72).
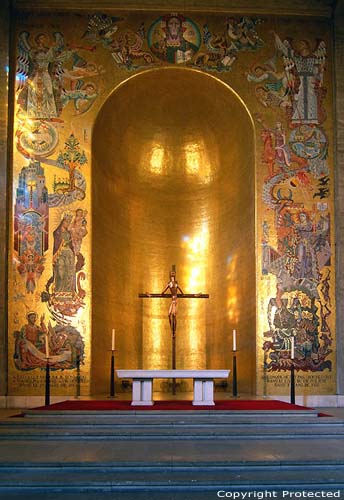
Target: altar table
(203,384)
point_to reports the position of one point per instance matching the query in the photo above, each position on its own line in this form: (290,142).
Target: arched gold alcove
(173,183)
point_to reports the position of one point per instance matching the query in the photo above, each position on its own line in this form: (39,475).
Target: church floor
(212,494)
(171,456)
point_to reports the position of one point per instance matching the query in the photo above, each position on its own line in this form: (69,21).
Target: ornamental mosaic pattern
(66,68)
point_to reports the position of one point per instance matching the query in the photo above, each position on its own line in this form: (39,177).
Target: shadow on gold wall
(173,183)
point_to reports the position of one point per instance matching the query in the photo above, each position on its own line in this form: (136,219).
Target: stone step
(188,455)
(170,431)
(170,453)
(145,418)
(189,477)
(162,493)
(191,414)
(166,421)
(170,425)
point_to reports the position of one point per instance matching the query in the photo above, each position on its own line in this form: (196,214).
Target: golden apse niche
(173,184)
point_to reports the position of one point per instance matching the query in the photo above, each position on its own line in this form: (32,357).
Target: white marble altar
(203,384)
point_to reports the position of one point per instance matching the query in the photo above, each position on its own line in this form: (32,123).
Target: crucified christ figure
(174,289)
(175,292)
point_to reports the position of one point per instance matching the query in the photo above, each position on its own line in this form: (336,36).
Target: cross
(175,293)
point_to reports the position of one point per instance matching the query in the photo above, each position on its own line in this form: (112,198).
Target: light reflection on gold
(232,292)
(196,247)
(157,159)
(192,158)
(197,251)
(152,336)
(153,356)
(176,197)
(25,124)
(197,161)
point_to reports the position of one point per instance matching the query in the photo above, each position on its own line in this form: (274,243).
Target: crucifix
(175,293)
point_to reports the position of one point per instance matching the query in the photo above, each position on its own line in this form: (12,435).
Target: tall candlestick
(113,340)
(46,346)
(292,348)
(234,340)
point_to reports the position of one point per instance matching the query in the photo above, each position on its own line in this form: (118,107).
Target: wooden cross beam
(175,293)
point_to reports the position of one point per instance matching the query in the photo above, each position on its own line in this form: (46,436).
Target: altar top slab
(201,374)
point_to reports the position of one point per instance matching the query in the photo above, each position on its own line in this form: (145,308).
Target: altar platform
(235,407)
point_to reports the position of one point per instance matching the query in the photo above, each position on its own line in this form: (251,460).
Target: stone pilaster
(4,172)
(339,194)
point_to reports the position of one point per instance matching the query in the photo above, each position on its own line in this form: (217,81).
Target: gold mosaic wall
(215,157)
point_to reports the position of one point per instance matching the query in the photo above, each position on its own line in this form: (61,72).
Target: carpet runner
(183,405)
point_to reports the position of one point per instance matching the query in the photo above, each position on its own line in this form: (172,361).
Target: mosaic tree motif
(66,346)
(296,252)
(71,159)
(31,224)
(67,190)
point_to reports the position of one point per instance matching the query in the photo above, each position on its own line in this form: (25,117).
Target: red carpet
(231,405)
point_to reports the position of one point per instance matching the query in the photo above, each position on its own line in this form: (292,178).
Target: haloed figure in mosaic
(304,67)
(29,349)
(39,64)
(171,44)
(40,97)
(78,229)
(306,265)
(64,257)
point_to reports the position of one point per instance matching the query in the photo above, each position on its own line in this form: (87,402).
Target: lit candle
(234,340)
(292,348)
(46,346)
(113,340)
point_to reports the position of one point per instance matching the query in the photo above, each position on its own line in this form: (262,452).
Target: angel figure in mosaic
(36,70)
(273,87)
(40,73)
(102,27)
(242,33)
(30,265)
(304,68)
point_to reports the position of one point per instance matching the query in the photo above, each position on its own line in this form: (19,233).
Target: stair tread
(212,477)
